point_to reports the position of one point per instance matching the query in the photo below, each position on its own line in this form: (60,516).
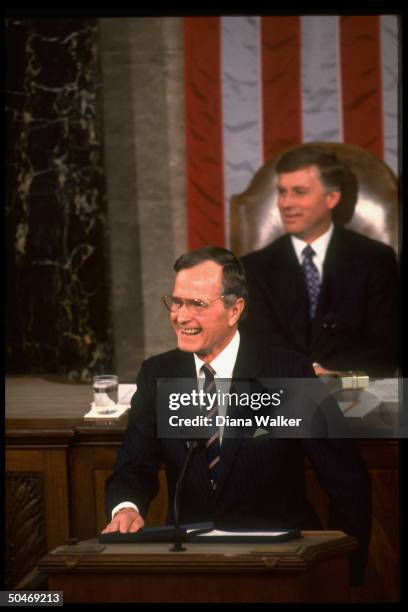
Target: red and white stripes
(256,85)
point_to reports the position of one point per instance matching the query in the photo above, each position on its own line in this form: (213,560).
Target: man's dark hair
(335,175)
(233,275)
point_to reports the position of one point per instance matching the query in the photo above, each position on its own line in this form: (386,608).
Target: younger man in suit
(256,482)
(325,291)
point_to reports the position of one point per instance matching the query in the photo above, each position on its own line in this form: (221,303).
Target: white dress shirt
(319,246)
(223,366)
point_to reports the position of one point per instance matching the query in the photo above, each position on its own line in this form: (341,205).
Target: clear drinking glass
(105,389)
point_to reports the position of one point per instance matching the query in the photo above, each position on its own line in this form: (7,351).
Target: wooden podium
(57,463)
(312,568)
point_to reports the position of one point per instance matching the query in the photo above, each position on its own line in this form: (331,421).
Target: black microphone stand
(192,445)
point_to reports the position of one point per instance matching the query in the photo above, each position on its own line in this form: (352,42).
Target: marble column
(142,69)
(57,266)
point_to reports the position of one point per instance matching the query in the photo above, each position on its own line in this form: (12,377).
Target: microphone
(191,445)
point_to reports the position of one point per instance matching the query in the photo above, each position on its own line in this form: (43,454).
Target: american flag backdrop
(257,85)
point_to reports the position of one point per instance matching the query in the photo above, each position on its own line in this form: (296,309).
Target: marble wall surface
(57,256)
(96,199)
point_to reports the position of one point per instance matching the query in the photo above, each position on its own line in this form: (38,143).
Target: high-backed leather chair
(255,219)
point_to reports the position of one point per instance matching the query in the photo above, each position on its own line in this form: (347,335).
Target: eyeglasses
(196,307)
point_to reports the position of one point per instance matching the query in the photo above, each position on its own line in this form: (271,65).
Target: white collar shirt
(223,366)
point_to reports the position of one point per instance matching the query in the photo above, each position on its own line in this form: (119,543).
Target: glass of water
(105,390)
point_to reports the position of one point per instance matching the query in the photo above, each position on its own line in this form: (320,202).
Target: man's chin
(293,228)
(188,345)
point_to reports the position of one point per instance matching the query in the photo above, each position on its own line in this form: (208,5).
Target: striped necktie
(213,442)
(311,278)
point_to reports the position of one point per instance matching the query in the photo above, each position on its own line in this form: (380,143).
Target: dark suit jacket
(262,480)
(356,321)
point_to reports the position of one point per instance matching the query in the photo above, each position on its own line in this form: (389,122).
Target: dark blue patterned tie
(213,442)
(311,278)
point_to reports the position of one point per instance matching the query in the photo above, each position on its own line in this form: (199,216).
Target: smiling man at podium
(256,482)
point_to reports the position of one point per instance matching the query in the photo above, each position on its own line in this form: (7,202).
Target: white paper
(366,404)
(216,532)
(125,393)
(386,389)
(119,409)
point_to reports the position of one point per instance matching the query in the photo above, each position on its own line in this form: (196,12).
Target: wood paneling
(56,495)
(382,574)
(37,517)
(311,568)
(25,524)
(58,463)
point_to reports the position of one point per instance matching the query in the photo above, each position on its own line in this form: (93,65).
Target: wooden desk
(57,463)
(313,568)
(56,466)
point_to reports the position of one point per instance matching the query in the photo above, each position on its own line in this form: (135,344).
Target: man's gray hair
(233,275)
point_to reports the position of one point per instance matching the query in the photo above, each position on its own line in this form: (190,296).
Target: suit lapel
(290,294)
(185,368)
(337,272)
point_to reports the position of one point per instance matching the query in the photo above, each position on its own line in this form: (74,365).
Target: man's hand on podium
(126,520)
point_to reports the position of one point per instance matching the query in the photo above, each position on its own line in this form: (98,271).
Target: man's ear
(332,199)
(236,311)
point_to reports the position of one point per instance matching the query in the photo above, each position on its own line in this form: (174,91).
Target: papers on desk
(125,393)
(217,533)
(386,389)
(381,392)
(199,532)
(375,411)
(355,380)
(114,413)
(360,397)
(346,380)
(364,405)
(255,535)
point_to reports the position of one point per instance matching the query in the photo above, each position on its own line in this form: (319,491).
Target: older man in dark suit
(232,481)
(325,291)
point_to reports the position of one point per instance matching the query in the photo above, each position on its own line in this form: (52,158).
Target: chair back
(255,218)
